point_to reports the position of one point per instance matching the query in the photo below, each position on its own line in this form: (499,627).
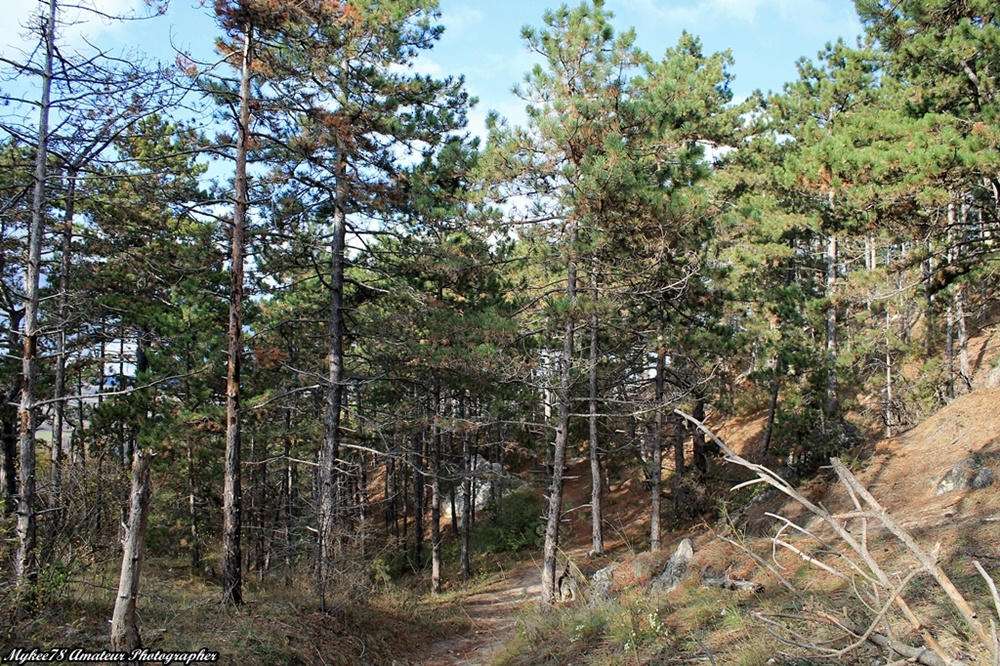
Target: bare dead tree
(124,632)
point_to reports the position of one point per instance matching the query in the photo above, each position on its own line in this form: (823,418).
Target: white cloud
(812,16)
(87,21)
(461,18)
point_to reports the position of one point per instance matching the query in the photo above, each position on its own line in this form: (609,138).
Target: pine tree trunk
(25,569)
(596,519)
(949,349)
(258,500)
(467,508)
(772,409)
(555,499)
(678,440)
(436,499)
(334,396)
(888,376)
(193,509)
(285,502)
(232,557)
(698,439)
(416,461)
(961,320)
(657,461)
(831,324)
(124,632)
(930,332)
(59,390)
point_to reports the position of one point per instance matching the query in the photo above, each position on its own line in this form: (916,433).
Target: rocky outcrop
(675,569)
(491,481)
(970,474)
(601,586)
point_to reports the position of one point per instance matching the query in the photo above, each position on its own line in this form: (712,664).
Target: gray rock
(993,379)
(491,481)
(601,584)
(970,474)
(983,478)
(675,568)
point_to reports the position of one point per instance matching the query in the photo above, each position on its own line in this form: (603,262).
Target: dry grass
(179,611)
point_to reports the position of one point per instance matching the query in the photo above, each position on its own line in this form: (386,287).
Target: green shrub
(514,522)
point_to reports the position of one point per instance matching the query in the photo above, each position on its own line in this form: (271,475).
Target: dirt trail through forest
(492,614)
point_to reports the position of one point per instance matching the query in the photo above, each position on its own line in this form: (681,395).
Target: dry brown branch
(733,584)
(996,604)
(811,560)
(929,562)
(866,508)
(766,565)
(912,654)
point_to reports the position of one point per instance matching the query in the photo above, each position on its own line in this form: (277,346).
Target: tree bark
(232,558)
(59,390)
(436,497)
(831,323)
(657,457)
(961,319)
(25,569)
(678,438)
(467,507)
(124,632)
(698,440)
(555,499)
(596,519)
(335,383)
(416,461)
(193,509)
(889,411)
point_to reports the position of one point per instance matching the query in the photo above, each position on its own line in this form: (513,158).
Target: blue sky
(482,38)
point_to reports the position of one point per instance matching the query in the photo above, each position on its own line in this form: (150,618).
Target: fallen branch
(733,584)
(918,655)
(879,577)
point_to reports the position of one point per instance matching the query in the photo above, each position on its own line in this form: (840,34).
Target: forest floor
(902,472)
(495,619)
(492,615)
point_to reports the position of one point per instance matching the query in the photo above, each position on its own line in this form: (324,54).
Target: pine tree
(341,109)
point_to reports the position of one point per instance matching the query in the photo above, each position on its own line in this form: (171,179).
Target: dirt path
(492,614)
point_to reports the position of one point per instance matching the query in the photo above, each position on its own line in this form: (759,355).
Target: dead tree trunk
(59,390)
(436,501)
(124,633)
(416,462)
(831,323)
(25,569)
(698,440)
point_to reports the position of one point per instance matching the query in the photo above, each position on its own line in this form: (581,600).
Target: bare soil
(492,615)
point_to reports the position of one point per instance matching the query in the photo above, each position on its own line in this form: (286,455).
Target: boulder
(970,474)
(673,572)
(601,586)
(491,481)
